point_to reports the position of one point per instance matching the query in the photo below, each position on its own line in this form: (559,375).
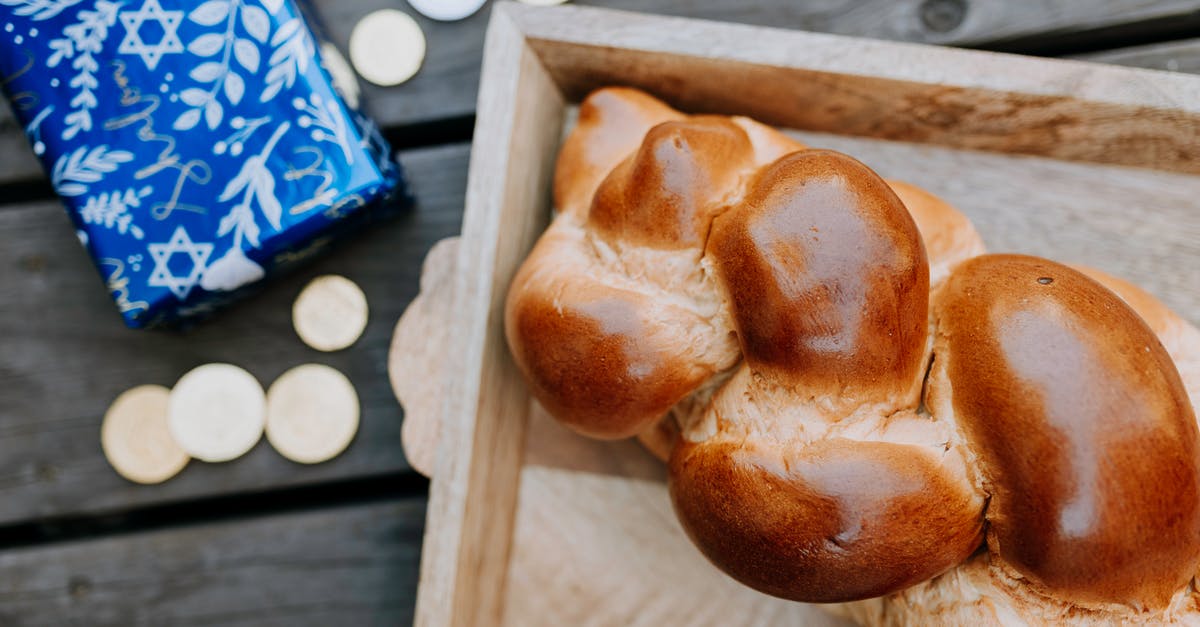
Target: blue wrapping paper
(199,146)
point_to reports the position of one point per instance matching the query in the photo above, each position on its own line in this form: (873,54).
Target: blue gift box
(198,146)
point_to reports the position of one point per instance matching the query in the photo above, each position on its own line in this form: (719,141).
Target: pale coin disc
(343,76)
(135,437)
(330,313)
(312,413)
(447,10)
(387,47)
(216,412)
(543,3)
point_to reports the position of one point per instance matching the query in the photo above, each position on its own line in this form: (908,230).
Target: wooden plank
(929,111)
(637,568)
(64,355)
(819,82)
(353,565)
(473,496)
(446,86)
(447,83)
(1173,56)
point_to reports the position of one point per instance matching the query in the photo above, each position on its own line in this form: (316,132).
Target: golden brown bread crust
(611,125)
(833,520)
(982,592)
(603,354)
(811,469)
(831,341)
(610,319)
(949,236)
(808,313)
(633,379)
(1082,428)
(666,194)
(1180,338)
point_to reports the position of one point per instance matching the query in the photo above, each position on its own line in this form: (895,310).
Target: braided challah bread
(860,404)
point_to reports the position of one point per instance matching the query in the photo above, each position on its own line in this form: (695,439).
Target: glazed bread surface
(854,401)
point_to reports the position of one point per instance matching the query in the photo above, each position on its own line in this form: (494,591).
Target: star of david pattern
(133,43)
(171,131)
(180,243)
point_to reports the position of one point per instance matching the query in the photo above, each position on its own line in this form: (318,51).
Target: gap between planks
(65,356)
(355,564)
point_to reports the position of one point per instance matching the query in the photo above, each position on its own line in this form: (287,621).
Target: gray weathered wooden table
(263,541)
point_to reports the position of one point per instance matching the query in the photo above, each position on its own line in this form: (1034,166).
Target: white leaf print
(213,112)
(188,120)
(264,190)
(225,226)
(74,171)
(256,22)
(324,118)
(293,49)
(86,81)
(234,88)
(206,45)
(207,72)
(40,9)
(193,97)
(230,272)
(254,182)
(247,54)
(210,13)
(288,29)
(77,121)
(275,78)
(81,40)
(273,5)
(63,48)
(239,182)
(251,230)
(110,210)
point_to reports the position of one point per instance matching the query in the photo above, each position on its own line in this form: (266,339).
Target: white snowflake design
(81,41)
(221,75)
(110,210)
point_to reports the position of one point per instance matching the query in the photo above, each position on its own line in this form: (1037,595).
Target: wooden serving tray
(529,524)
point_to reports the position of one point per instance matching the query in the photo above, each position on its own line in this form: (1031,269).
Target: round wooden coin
(330,313)
(387,47)
(312,413)
(216,412)
(447,10)
(135,437)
